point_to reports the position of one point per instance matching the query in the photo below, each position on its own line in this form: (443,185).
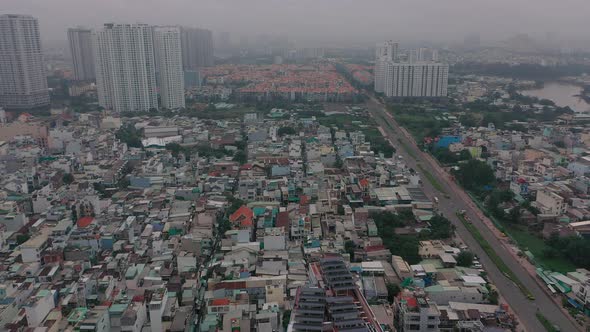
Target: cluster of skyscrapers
(415,74)
(131,63)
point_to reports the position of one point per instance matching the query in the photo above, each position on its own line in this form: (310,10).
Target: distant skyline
(330,22)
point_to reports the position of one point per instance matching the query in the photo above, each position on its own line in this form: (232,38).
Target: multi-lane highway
(456,200)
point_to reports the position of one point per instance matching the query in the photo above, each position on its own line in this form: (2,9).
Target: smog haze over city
(336,22)
(294,166)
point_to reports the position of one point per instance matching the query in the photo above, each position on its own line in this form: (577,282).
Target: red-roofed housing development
(318,82)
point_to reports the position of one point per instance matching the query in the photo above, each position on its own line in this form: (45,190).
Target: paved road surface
(524,308)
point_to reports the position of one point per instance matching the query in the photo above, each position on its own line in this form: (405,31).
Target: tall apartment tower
(427,54)
(168,54)
(387,51)
(125,67)
(384,53)
(418,75)
(197,48)
(23,81)
(80,40)
(420,79)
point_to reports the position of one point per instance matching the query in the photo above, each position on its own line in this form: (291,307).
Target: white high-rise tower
(168,52)
(384,53)
(387,51)
(80,40)
(418,76)
(125,67)
(23,81)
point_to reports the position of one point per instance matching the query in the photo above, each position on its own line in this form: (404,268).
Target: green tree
(235,204)
(74,214)
(22,238)
(469,120)
(493,296)
(286,131)
(129,135)
(464,155)
(550,252)
(240,157)
(174,148)
(211,108)
(406,246)
(392,291)
(465,259)
(68,178)
(286,319)
(475,174)
(349,247)
(514,215)
(440,228)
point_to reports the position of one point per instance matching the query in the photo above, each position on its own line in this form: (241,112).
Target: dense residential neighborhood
(170,178)
(182,229)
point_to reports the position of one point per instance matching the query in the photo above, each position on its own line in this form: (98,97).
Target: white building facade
(125,67)
(168,52)
(419,75)
(384,53)
(416,79)
(23,81)
(80,40)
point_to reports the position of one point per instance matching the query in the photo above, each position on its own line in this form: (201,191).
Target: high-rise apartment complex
(420,79)
(23,82)
(384,53)
(427,54)
(387,51)
(168,54)
(197,48)
(419,76)
(125,67)
(80,40)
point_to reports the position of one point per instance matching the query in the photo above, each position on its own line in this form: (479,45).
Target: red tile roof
(304,200)
(244,215)
(364,183)
(220,302)
(411,301)
(283,219)
(246,167)
(374,248)
(85,222)
(138,298)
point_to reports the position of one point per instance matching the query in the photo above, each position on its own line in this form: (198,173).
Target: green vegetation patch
(546,323)
(362,123)
(406,148)
(407,246)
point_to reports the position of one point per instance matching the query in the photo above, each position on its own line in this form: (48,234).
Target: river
(562,94)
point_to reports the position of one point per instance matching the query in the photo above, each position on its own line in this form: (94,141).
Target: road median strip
(433,181)
(407,148)
(485,245)
(546,323)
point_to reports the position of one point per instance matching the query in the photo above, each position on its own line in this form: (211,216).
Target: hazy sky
(335,21)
